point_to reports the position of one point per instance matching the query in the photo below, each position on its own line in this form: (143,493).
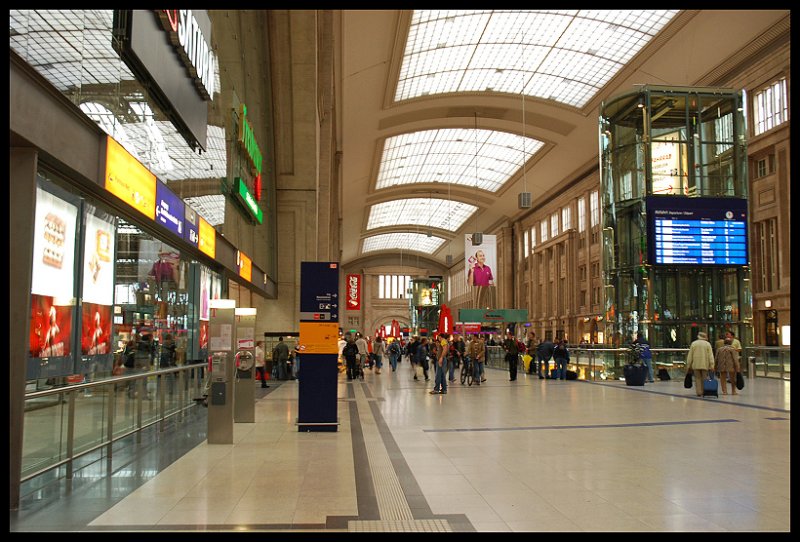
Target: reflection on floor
(529,455)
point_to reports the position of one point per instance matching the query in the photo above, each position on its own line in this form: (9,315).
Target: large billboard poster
(51,327)
(481,261)
(53,246)
(205,292)
(98,256)
(480,270)
(96,329)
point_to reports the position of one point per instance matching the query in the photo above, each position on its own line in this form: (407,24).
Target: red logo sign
(353,292)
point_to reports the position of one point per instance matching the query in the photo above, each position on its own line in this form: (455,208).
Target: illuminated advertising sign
(169,209)
(53,246)
(50,328)
(669,164)
(129,180)
(245,266)
(190,227)
(697,231)
(246,198)
(98,261)
(353,287)
(96,329)
(205,292)
(248,140)
(207,238)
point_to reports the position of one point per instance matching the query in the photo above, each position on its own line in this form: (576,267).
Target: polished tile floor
(529,455)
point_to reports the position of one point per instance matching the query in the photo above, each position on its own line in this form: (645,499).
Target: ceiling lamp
(524,198)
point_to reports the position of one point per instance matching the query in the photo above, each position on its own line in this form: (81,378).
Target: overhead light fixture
(477,237)
(524,199)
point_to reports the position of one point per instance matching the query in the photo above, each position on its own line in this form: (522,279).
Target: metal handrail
(108,438)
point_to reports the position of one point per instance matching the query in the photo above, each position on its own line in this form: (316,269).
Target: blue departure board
(697,231)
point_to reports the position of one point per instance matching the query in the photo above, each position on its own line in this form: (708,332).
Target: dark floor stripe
(598,426)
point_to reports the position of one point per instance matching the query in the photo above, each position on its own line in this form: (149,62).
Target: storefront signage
(246,198)
(208,238)
(53,247)
(160,63)
(98,261)
(248,140)
(169,209)
(194,49)
(245,266)
(190,227)
(353,287)
(496,315)
(129,180)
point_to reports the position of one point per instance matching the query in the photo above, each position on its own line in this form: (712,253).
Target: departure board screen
(697,231)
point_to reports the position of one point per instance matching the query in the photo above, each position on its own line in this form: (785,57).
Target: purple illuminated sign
(190,226)
(169,209)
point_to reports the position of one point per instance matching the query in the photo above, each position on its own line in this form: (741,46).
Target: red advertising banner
(353,286)
(51,326)
(96,329)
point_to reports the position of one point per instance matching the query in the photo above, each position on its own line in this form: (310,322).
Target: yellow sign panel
(208,238)
(319,337)
(245,267)
(129,180)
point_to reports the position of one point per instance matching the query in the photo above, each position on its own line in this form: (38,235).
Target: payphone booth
(221,335)
(244,405)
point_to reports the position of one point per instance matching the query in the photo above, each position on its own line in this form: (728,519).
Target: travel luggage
(635,375)
(663,374)
(572,375)
(710,386)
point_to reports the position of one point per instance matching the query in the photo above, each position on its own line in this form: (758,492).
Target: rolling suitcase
(710,386)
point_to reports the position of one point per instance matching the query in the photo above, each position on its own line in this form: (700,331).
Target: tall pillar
(23,163)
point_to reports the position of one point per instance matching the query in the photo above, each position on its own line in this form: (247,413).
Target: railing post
(141,385)
(112,407)
(70,431)
(162,394)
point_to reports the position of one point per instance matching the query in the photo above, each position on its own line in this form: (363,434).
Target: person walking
(441,350)
(726,361)
(261,364)
(394,353)
(168,358)
(700,360)
(512,356)
(296,361)
(561,357)
(543,354)
(280,355)
(477,352)
(350,355)
(377,351)
(422,357)
(363,350)
(457,350)
(643,349)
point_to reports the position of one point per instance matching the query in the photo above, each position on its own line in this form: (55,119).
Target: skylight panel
(210,207)
(425,212)
(450,52)
(413,242)
(449,155)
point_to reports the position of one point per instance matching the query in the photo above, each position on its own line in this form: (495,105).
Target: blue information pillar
(319,335)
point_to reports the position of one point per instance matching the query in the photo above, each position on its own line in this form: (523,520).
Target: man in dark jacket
(280,355)
(543,354)
(512,356)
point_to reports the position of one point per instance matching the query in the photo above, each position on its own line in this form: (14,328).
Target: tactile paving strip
(401,525)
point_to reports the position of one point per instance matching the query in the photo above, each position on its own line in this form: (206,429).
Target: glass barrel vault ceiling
(418,242)
(562,55)
(449,155)
(428,212)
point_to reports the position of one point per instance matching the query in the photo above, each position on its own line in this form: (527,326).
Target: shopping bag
(526,362)
(418,371)
(739,381)
(687,381)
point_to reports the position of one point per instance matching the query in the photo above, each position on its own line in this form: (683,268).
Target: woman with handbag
(727,361)
(700,361)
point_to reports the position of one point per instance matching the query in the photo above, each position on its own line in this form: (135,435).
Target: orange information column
(319,334)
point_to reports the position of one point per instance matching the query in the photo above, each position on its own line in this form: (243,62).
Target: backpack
(350,351)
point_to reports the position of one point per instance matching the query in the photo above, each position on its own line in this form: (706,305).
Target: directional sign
(319,291)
